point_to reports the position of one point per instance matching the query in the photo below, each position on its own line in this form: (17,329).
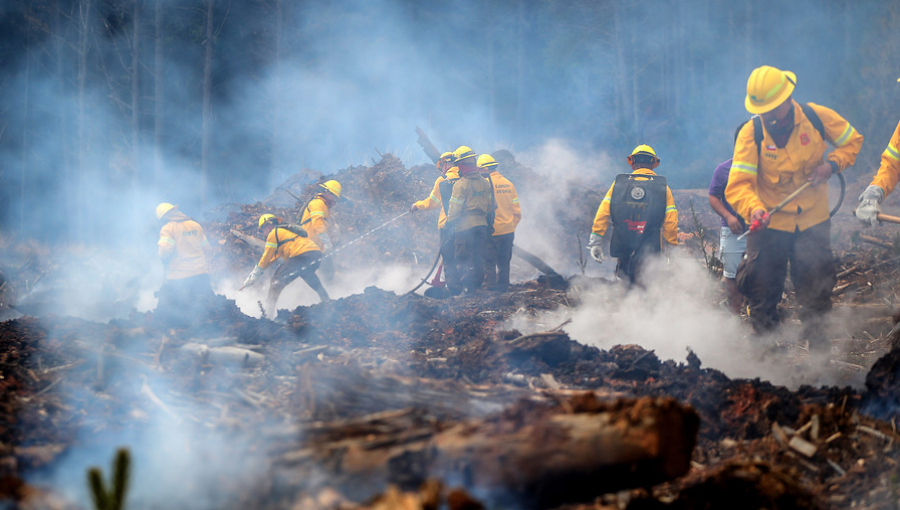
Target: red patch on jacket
(804,139)
(636,226)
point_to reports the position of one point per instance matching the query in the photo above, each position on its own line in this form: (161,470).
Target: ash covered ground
(342,404)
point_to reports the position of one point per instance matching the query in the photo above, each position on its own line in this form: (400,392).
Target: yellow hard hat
(485,161)
(265,218)
(333,186)
(463,152)
(644,150)
(163,208)
(767,88)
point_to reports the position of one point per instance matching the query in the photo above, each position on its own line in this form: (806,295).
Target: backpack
(811,114)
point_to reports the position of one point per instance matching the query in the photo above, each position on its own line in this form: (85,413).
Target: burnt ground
(72,385)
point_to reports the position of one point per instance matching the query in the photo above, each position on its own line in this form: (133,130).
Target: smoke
(676,312)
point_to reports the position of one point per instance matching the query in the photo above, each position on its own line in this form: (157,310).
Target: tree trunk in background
(61,22)
(158,92)
(207,105)
(622,99)
(135,109)
(277,99)
(85,11)
(520,71)
(25,125)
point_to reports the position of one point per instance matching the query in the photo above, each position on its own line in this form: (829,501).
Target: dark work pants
(761,275)
(470,247)
(303,266)
(448,258)
(497,257)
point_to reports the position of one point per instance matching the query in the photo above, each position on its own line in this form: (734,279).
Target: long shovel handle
(888,218)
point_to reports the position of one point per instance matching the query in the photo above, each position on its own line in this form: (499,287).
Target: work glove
(413,208)
(253,276)
(870,205)
(595,245)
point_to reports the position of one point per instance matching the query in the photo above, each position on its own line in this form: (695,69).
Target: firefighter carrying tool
(763,174)
(885,180)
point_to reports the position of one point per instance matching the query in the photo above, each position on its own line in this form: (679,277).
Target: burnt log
(530,456)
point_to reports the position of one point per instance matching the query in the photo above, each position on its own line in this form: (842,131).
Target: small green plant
(582,260)
(113,497)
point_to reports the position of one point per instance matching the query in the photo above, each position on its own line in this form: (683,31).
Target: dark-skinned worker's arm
(718,206)
(883,184)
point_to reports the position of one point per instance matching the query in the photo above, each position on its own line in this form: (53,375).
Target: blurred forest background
(110,106)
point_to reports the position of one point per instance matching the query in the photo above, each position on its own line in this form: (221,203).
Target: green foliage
(111,498)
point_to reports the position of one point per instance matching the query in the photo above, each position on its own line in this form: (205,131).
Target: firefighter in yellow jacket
(316,220)
(506,217)
(791,153)
(440,199)
(471,211)
(300,255)
(641,210)
(181,248)
(884,182)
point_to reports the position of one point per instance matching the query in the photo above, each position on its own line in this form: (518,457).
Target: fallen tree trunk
(529,456)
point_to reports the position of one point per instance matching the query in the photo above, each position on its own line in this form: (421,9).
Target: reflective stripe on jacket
(508,211)
(434,199)
(181,243)
(283,243)
(889,172)
(315,219)
(471,202)
(669,231)
(764,181)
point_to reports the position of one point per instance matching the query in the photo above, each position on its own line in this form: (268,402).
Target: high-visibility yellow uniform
(315,219)
(434,199)
(283,243)
(670,225)
(763,182)
(889,172)
(471,202)
(508,212)
(181,243)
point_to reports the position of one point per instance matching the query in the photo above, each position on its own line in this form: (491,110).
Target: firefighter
(316,221)
(766,168)
(471,211)
(300,254)
(181,249)
(440,198)
(884,182)
(641,210)
(507,216)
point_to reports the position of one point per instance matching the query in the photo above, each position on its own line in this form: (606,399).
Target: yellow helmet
(446,157)
(463,152)
(643,150)
(333,186)
(265,218)
(485,161)
(767,88)
(163,208)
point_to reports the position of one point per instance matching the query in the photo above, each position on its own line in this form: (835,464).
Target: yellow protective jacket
(181,243)
(470,203)
(669,232)
(283,243)
(508,211)
(434,199)
(755,184)
(315,219)
(889,172)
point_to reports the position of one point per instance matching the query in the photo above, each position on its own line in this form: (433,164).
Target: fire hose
(363,236)
(758,224)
